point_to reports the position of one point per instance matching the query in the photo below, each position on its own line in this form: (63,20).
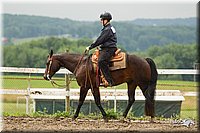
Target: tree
(166,61)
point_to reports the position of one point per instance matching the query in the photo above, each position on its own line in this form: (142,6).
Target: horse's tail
(154,73)
(150,92)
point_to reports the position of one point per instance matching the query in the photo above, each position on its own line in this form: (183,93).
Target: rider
(107,41)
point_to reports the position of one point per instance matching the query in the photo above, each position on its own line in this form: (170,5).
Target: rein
(79,62)
(76,68)
(87,75)
(61,86)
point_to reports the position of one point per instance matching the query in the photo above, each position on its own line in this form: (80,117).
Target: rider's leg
(103,62)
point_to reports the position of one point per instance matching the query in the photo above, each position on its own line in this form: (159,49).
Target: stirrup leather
(104,81)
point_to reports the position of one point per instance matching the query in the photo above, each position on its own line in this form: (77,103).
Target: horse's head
(52,66)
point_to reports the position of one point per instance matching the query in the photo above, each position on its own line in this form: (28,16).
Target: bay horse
(139,72)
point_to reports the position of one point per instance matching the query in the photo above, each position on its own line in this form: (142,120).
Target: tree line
(33,53)
(136,35)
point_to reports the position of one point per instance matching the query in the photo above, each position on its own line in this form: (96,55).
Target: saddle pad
(118,64)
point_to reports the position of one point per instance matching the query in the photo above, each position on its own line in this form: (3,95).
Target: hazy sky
(91,10)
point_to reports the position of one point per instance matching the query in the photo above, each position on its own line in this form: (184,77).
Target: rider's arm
(101,39)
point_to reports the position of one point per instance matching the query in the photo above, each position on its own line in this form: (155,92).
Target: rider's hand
(87,48)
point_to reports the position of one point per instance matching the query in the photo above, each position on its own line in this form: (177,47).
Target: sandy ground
(48,124)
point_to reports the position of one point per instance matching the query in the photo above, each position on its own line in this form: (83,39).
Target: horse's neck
(69,61)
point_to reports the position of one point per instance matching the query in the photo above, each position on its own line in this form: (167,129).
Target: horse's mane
(73,55)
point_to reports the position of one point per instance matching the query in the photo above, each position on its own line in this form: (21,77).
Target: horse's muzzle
(47,77)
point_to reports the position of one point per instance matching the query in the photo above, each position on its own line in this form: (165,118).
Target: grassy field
(22,82)
(189,106)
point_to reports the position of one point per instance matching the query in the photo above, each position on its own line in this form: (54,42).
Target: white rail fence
(65,71)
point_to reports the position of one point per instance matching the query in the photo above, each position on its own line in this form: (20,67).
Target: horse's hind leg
(96,95)
(131,97)
(83,93)
(149,92)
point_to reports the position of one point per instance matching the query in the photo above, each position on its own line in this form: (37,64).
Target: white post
(115,101)
(28,93)
(67,99)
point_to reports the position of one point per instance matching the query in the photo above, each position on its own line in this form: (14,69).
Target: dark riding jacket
(107,38)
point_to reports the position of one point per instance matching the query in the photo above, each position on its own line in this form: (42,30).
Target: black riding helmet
(106,15)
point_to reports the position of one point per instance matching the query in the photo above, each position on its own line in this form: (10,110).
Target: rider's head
(105,18)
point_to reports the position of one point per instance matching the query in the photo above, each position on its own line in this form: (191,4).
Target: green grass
(183,86)
(13,109)
(193,114)
(22,82)
(189,107)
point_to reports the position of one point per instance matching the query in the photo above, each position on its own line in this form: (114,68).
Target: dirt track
(30,124)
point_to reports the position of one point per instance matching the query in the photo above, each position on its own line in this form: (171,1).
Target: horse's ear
(51,53)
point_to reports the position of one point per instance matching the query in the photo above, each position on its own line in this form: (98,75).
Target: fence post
(115,101)
(67,100)
(28,93)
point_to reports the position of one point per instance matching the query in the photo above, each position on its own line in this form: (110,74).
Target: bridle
(48,76)
(75,70)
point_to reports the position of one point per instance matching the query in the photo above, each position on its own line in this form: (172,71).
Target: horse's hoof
(105,119)
(74,118)
(152,120)
(124,115)
(122,119)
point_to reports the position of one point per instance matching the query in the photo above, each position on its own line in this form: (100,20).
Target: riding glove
(87,48)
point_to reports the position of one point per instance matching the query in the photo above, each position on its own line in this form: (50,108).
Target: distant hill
(137,35)
(167,22)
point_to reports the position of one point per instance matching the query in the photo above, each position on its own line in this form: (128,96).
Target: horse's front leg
(97,98)
(83,93)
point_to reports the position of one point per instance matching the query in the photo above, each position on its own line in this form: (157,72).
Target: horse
(138,72)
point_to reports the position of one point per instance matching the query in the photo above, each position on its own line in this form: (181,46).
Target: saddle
(118,61)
